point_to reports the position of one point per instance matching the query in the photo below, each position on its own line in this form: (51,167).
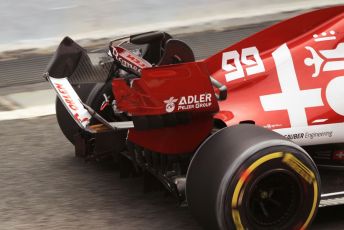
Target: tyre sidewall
(218,161)
(310,190)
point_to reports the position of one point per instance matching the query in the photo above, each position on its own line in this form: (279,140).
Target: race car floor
(43,186)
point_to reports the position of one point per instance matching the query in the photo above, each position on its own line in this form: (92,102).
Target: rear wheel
(273,198)
(247,177)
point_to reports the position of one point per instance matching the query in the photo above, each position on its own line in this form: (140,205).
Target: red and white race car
(238,137)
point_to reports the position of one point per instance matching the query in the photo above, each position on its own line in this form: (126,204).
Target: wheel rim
(273,199)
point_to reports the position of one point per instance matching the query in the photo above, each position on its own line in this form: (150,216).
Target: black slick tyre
(247,177)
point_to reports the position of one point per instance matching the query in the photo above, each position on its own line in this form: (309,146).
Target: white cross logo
(292,99)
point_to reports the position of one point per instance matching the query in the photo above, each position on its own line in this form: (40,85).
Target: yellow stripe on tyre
(248,171)
(293,163)
(308,176)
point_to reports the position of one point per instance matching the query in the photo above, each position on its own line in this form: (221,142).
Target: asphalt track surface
(43,186)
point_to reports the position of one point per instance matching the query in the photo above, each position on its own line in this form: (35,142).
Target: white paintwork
(334,59)
(72,103)
(292,98)
(335,94)
(235,71)
(170,104)
(338,52)
(325,36)
(250,58)
(255,64)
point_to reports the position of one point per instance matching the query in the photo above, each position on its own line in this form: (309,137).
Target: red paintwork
(147,94)
(297,32)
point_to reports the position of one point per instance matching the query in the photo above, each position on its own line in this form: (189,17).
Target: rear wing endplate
(70,100)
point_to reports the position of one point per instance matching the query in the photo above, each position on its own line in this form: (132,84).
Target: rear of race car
(157,123)
(163,115)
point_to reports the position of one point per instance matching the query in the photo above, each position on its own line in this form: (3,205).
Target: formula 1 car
(249,138)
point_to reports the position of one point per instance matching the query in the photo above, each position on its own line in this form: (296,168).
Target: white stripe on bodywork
(332,194)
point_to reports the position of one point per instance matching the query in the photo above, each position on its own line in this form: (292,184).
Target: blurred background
(42,185)
(38,23)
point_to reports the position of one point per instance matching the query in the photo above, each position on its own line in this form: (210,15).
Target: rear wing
(72,64)
(70,100)
(62,66)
